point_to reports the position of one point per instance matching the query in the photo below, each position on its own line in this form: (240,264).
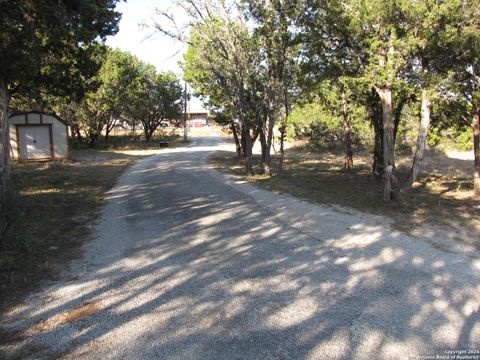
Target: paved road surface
(188,263)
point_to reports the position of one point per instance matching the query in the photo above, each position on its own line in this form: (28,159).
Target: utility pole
(185,117)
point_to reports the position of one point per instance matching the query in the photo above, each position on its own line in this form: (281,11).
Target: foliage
(154,99)
(463,140)
(316,124)
(313,123)
(224,65)
(241,61)
(44,44)
(458,138)
(126,89)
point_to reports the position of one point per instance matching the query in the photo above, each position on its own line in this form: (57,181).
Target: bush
(457,138)
(317,134)
(435,137)
(463,139)
(321,129)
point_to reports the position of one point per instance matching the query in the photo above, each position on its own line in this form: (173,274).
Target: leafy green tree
(461,60)
(332,56)
(393,46)
(248,69)
(120,70)
(322,121)
(207,85)
(154,99)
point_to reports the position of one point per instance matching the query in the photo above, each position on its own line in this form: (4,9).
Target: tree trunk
(385,94)
(248,150)
(283,129)
(263,143)
(77,133)
(238,147)
(376,118)
(267,169)
(148,133)
(283,132)
(476,150)
(92,138)
(4,152)
(243,141)
(398,114)
(348,163)
(109,127)
(421,144)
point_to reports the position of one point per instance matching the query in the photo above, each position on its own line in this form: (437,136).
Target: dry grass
(320,178)
(71,316)
(51,206)
(133,142)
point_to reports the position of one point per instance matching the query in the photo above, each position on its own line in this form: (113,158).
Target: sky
(148,45)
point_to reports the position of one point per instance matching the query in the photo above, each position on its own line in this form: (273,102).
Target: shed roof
(39,112)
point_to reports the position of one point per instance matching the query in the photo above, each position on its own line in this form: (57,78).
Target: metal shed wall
(58,132)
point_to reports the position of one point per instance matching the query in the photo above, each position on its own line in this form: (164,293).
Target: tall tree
(331,56)
(208,86)
(275,23)
(154,99)
(429,22)
(119,71)
(225,49)
(460,46)
(392,45)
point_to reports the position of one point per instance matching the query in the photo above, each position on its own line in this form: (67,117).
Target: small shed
(36,135)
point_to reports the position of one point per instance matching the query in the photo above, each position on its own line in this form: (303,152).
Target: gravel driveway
(188,263)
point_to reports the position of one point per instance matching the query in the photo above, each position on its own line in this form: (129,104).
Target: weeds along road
(188,263)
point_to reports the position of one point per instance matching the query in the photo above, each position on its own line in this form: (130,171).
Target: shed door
(34,142)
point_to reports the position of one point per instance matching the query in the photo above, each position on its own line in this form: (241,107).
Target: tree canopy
(253,61)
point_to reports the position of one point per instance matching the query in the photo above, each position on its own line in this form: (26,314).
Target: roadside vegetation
(126,140)
(52,206)
(384,83)
(97,90)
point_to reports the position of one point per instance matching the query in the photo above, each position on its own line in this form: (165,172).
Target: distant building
(198,119)
(197,116)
